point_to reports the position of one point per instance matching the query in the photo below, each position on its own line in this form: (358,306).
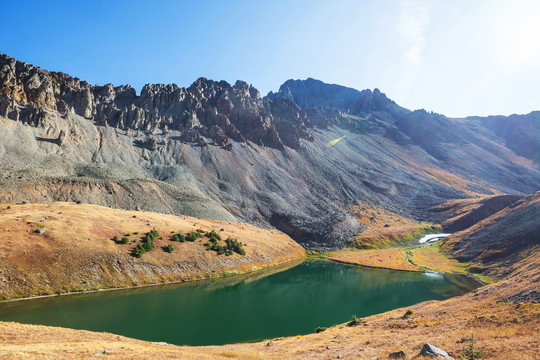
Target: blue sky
(454,57)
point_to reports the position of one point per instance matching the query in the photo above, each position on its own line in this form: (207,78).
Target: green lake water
(259,306)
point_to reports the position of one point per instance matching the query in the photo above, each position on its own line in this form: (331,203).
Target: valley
(106,188)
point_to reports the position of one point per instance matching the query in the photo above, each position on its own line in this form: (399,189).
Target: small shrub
(128,234)
(235,245)
(408,313)
(471,351)
(213,235)
(139,250)
(354,321)
(115,238)
(200,231)
(192,236)
(178,237)
(136,233)
(168,248)
(125,240)
(320,329)
(148,245)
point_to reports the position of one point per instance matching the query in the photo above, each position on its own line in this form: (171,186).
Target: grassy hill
(74,250)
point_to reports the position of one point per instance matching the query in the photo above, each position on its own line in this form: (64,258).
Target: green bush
(178,237)
(213,235)
(168,248)
(235,245)
(200,231)
(320,329)
(408,313)
(153,234)
(148,240)
(192,236)
(125,240)
(354,321)
(139,250)
(231,245)
(115,238)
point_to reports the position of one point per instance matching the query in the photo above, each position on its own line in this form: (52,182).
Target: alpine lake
(290,299)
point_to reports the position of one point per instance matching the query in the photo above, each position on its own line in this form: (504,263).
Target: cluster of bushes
(194,235)
(178,237)
(231,245)
(124,240)
(168,248)
(147,243)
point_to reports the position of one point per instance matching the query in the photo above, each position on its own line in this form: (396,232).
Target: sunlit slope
(74,249)
(502,239)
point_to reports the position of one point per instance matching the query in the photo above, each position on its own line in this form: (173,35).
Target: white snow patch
(432,237)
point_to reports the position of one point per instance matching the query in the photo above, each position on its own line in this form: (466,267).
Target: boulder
(397,355)
(433,351)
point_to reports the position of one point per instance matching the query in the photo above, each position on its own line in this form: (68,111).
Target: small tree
(125,240)
(139,250)
(471,351)
(354,321)
(168,248)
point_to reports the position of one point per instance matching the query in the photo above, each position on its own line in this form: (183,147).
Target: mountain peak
(311,93)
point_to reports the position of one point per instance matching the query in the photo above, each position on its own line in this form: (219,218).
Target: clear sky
(456,57)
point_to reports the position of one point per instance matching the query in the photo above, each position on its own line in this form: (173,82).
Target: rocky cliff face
(224,152)
(206,111)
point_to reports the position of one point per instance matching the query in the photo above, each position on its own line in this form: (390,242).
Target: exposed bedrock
(222,151)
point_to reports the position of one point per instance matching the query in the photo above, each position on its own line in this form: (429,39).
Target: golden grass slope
(76,252)
(383,228)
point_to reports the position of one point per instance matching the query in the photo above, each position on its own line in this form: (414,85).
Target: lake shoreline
(232,274)
(227,275)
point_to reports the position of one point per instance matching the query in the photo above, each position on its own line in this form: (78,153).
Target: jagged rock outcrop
(215,110)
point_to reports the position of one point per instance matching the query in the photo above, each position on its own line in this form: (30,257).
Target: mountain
(222,151)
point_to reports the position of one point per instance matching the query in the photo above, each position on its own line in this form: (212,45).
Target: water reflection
(290,300)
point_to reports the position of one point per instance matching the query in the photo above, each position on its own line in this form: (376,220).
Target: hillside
(74,250)
(222,151)
(501,240)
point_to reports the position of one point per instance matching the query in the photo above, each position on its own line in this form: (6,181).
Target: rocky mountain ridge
(224,152)
(207,108)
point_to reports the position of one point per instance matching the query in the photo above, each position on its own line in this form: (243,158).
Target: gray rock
(61,138)
(397,355)
(160,343)
(433,351)
(41,230)
(104,352)
(269,343)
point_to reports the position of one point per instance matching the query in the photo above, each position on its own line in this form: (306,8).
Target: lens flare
(334,142)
